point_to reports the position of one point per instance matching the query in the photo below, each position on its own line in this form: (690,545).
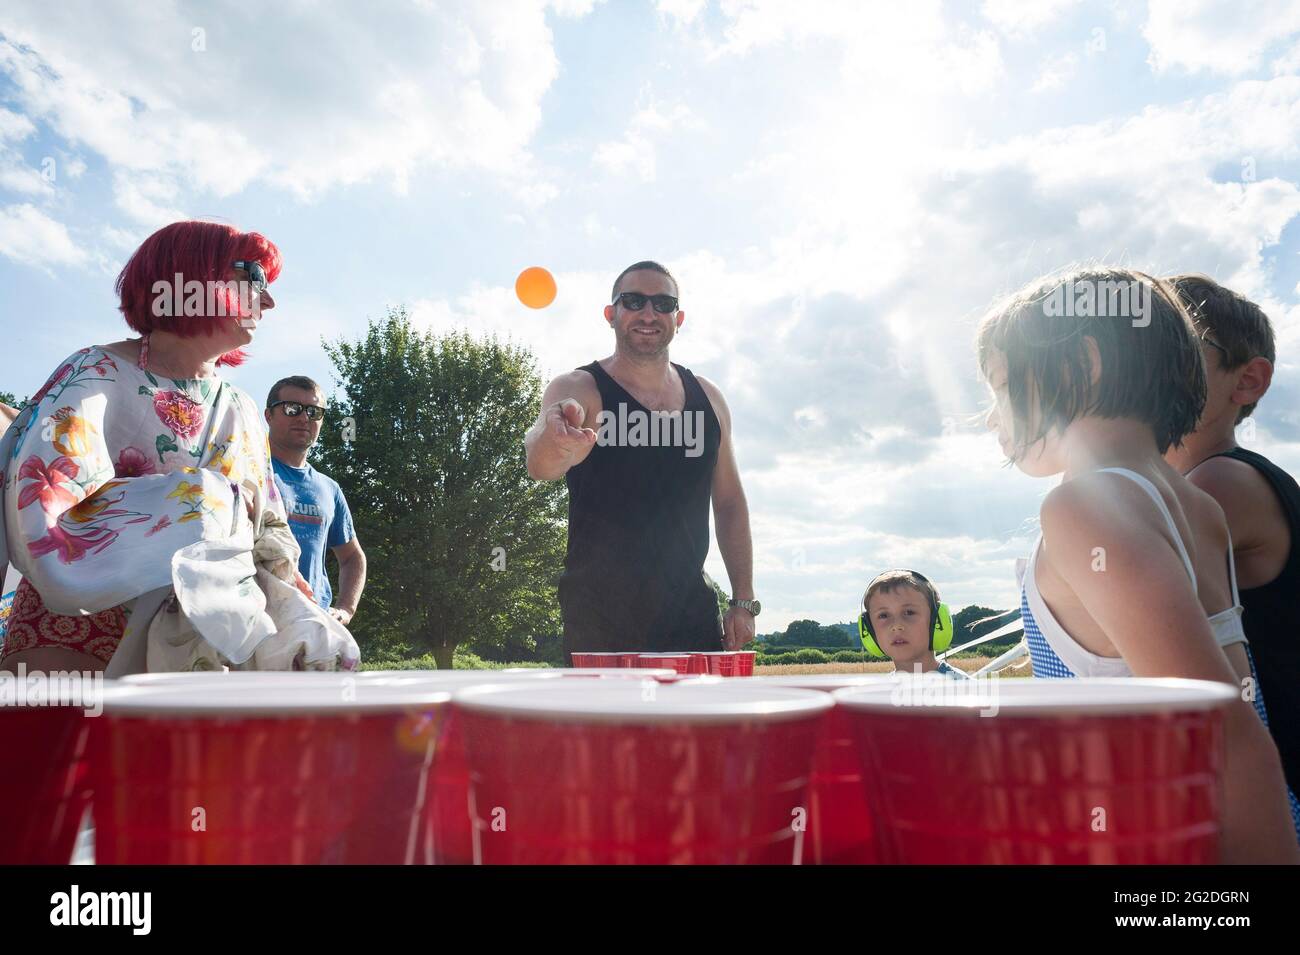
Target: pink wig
(202,251)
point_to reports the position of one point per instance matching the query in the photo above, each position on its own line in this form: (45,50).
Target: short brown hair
(1235,323)
(293,381)
(892,580)
(1151,370)
(646,266)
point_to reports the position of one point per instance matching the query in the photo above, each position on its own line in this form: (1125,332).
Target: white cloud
(1221,36)
(1023,18)
(14,126)
(30,237)
(636,152)
(574,8)
(1055,71)
(305,102)
(681,12)
(15,174)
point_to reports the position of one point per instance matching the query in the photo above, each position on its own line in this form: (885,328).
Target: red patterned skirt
(31,625)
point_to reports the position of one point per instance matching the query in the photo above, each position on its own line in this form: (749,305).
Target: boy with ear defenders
(903,620)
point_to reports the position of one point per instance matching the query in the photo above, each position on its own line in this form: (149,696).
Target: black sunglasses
(294,408)
(635,301)
(256,274)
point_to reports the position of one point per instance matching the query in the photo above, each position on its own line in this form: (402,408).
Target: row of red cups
(532,767)
(713,663)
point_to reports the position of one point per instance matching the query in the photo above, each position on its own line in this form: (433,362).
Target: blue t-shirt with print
(319,518)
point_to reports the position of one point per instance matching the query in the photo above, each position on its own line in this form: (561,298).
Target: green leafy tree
(426,440)
(802,633)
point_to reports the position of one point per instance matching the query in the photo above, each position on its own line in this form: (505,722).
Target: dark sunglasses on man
(294,408)
(635,301)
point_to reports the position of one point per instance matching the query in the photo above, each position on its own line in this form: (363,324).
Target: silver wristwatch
(753,606)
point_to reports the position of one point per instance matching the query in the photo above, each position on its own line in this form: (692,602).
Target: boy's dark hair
(637,267)
(1151,364)
(1231,320)
(892,580)
(293,381)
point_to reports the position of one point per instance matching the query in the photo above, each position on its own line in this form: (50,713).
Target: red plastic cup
(721,662)
(681,662)
(1031,771)
(583,659)
(448,803)
(628,660)
(265,771)
(451,830)
(699,663)
(745,662)
(693,772)
(839,823)
(44,788)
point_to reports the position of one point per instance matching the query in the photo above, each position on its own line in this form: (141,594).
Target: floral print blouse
(110,471)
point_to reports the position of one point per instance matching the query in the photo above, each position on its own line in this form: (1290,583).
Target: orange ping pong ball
(535,287)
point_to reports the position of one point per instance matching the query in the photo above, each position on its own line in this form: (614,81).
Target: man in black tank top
(1259,499)
(645,448)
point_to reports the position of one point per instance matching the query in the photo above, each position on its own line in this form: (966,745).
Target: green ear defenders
(940,622)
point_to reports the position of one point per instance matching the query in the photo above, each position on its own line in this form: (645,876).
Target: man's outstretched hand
(564,425)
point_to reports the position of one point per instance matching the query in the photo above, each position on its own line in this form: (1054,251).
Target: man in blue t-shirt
(318,512)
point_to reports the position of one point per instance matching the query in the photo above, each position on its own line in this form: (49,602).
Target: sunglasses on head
(256,274)
(635,301)
(294,408)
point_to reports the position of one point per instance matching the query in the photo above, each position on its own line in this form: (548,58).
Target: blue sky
(841,188)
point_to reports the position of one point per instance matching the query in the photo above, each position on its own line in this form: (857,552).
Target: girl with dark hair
(1096,374)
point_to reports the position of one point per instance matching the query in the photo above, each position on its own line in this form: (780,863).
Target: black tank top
(1272,624)
(639,526)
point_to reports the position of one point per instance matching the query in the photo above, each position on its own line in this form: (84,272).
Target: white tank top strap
(1150,488)
(1226,624)
(1232,572)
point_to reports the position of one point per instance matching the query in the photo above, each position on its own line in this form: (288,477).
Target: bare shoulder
(1229,481)
(1205,512)
(714,394)
(1244,498)
(127,348)
(1096,504)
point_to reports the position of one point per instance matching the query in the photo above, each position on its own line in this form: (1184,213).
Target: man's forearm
(737,547)
(352,581)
